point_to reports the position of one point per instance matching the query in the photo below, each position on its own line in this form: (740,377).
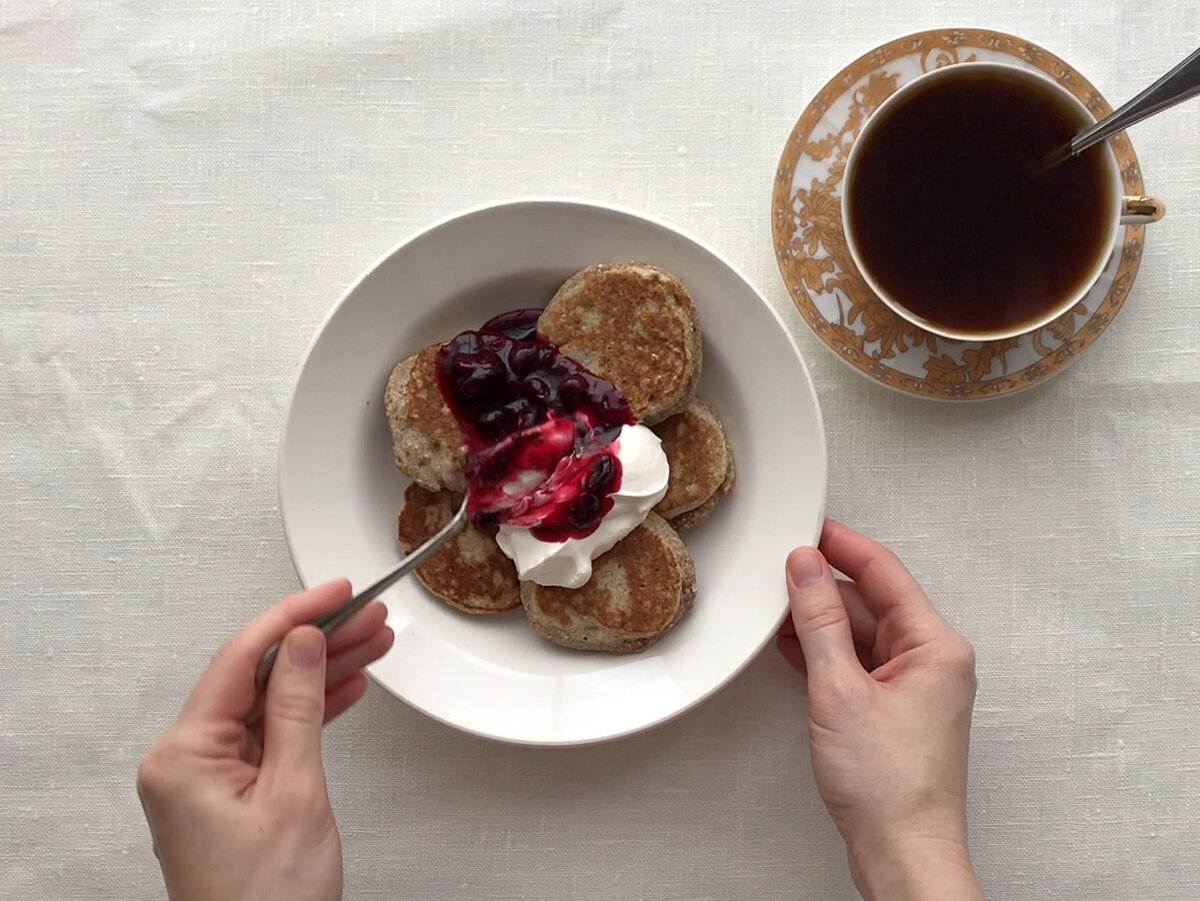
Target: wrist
(915,869)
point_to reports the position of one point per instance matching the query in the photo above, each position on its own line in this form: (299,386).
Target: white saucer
(831,295)
(491,675)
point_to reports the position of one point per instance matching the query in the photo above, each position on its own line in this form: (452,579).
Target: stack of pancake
(634,325)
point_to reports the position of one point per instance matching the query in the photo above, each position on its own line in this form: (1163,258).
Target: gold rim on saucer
(810,245)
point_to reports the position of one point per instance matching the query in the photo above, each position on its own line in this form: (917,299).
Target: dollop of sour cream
(568,564)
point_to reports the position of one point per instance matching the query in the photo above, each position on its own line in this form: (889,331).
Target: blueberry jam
(540,429)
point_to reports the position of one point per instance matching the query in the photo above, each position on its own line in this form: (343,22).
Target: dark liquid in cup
(956,219)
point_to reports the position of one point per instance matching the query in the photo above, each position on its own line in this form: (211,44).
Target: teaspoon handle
(1177,85)
(330,622)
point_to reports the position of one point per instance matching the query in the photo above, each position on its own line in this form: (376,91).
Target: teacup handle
(1140,209)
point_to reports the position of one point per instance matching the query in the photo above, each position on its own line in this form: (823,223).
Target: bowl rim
(568,202)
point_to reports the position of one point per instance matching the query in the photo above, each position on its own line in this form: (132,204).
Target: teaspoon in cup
(1176,86)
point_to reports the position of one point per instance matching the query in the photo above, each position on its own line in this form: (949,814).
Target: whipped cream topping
(568,564)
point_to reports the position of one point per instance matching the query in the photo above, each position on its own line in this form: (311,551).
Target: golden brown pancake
(701,462)
(425,435)
(633,324)
(470,571)
(637,592)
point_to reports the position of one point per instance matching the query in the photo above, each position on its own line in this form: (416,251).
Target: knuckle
(880,569)
(820,618)
(155,772)
(224,655)
(960,656)
(301,796)
(311,794)
(147,778)
(840,689)
(884,560)
(296,707)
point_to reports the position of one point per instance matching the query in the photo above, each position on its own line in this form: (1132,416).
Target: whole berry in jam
(524,408)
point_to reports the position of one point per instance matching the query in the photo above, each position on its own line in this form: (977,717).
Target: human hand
(236,802)
(891,687)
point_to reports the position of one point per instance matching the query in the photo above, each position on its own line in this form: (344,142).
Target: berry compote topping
(519,324)
(540,429)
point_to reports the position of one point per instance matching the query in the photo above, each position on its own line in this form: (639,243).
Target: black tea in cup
(955,215)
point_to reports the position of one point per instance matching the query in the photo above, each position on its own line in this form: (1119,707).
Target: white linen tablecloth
(185,189)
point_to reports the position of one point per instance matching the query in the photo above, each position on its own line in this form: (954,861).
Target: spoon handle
(332,620)
(1177,85)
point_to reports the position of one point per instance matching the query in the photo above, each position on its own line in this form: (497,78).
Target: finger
(345,696)
(358,628)
(345,664)
(789,647)
(226,689)
(822,624)
(863,624)
(883,581)
(295,709)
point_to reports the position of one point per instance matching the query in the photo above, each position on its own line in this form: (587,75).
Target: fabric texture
(185,189)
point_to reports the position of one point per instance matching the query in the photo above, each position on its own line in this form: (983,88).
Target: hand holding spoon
(330,622)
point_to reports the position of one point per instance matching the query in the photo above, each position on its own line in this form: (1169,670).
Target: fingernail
(306,647)
(805,565)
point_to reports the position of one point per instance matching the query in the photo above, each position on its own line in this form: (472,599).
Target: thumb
(295,706)
(822,623)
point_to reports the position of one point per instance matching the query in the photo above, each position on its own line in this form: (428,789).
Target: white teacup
(1122,210)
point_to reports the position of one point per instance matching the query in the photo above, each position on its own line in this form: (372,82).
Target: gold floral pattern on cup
(833,298)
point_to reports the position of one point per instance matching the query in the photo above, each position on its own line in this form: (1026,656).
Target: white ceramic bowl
(340,491)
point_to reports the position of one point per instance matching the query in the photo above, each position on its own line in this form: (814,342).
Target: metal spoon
(330,622)
(1176,86)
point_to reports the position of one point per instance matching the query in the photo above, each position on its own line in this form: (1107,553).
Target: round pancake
(633,324)
(638,591)
(425,436)
(701,462)
(470,571)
